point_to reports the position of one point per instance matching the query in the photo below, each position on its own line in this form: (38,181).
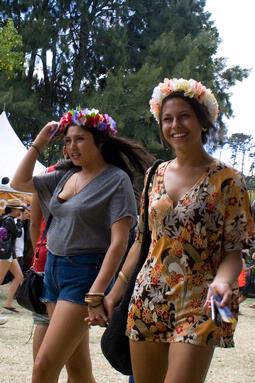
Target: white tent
(12,151)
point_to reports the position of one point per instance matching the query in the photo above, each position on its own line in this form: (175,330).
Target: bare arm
(119,288)
(120,234)
(35,220)
(227,274)
(23,177)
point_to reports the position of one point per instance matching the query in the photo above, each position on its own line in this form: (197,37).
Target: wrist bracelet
(95,306)
(36,149)
(123,277)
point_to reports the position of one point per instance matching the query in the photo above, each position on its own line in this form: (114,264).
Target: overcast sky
(235,22)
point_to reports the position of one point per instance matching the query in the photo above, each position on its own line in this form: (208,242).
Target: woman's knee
(40,368)
(79,365)
(20,278)
(44,368)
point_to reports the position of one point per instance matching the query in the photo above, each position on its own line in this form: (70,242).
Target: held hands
(100,307)
(96,316)
(101,315)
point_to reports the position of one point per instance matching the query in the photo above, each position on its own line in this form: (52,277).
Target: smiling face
(80,146)
(180,125)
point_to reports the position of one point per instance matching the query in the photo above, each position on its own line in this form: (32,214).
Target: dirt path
(229,366)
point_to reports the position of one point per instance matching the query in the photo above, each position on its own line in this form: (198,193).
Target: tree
(240,143)
(11,53)
(110,54)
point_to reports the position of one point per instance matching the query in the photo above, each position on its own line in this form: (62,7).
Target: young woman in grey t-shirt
(93,207)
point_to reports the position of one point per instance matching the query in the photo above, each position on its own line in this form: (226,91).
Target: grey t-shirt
(83,223)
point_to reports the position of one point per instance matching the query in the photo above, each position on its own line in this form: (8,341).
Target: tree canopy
(110,54)
(11,53)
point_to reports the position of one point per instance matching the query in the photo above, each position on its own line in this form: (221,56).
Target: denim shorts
(69,278)
(40,319)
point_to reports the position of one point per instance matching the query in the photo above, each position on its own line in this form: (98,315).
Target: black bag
(6,243)
(114,342)
(5,248)
(29,292)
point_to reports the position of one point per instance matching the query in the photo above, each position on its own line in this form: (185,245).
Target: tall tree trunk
(31,68)
(79,62)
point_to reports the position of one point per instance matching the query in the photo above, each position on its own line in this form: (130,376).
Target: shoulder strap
(146,193)
(47,227)
(146,233)
(146,238)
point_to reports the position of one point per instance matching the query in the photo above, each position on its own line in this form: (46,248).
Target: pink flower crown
(190,88)
(90,118)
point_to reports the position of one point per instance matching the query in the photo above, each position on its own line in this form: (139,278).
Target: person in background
(3,320)
(252,306)
(244,279)
(12,211)
(28,248)
(93,207)
(200,219)
(37,228)
(38,239)
(19,246)
(20,241)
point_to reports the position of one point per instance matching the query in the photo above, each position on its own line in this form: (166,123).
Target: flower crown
(190,88)
(90,118)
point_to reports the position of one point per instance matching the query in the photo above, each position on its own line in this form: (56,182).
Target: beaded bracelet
(36,149)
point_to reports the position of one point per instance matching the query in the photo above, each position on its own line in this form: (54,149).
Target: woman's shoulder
(225,169)
(224,173)
(116,172)
(160,168)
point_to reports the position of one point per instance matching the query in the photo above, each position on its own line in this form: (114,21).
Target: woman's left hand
(221,288)
(96,316)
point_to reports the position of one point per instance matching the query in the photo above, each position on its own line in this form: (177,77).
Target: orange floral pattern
(188,244)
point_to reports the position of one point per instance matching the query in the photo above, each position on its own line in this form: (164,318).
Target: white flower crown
(190,88)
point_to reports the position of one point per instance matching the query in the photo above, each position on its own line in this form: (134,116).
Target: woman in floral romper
(200,219)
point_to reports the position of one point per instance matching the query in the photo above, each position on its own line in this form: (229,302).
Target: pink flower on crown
(190,88)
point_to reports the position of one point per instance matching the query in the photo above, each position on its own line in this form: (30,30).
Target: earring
(204,129)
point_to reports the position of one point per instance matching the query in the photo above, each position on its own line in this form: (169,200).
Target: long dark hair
(121,152)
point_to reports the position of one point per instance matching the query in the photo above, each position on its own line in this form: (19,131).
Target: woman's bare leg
(39,333)
(17,279)
(4,268)
(75,366)
(63,336)
(188,363)
(149,361)
(178,363)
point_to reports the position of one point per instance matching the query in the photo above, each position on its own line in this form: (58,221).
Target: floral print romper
(188,243)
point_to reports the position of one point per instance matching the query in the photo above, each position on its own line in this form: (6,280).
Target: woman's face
(15,213)
(180,125)
(80,146)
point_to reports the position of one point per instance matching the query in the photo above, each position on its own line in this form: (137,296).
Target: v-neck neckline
(199,181)
(84,187)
